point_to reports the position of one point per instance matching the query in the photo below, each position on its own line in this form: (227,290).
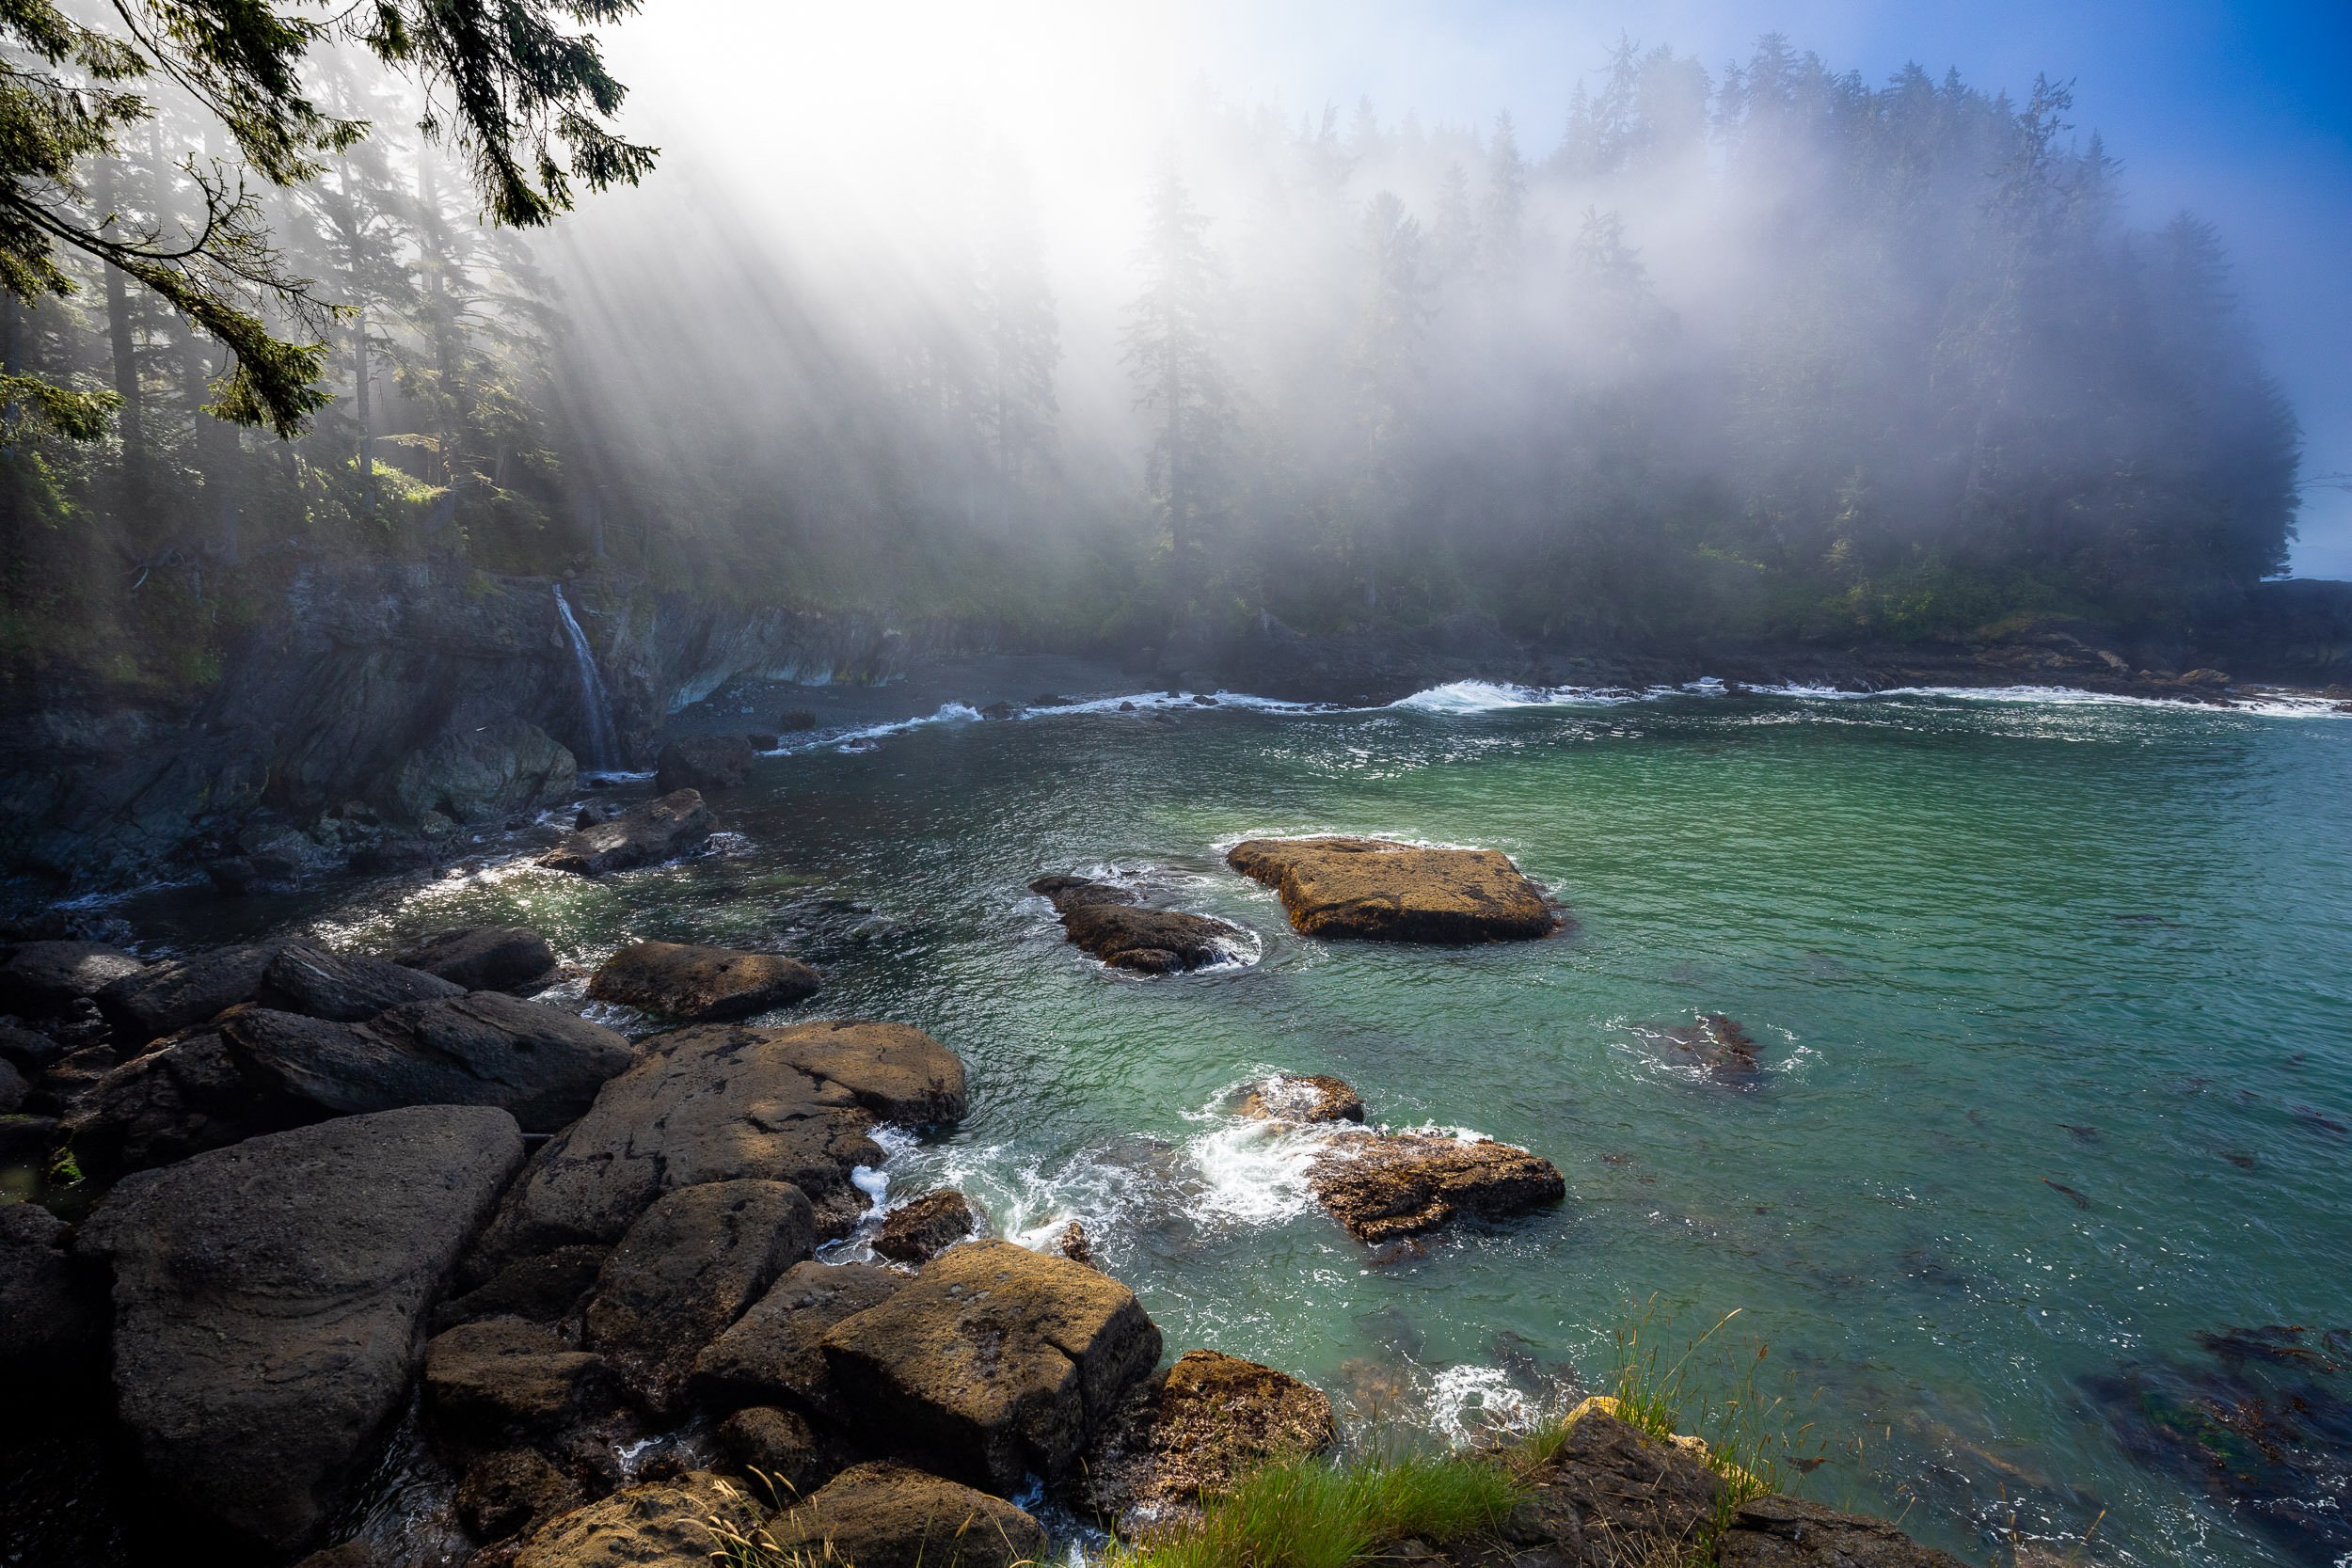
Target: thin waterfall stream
(604,740)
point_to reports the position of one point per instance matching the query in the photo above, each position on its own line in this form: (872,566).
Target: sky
(2240,112)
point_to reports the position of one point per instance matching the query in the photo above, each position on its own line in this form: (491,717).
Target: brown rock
(782,1449)
(900,1075)
(1197,1428)
(182,1097)
(1387,1186)
(1107,922)
(1612,1495)
(1368,887)
(666,1525)
(513,1490)
(893,1517)
(658,830)
(701,984)
(774,1354)
(1071,1242)
(541,1288)
(703,762)
(1717,1043)
(916,1231)
(998,1360)
(686,1270)
(502,1378)
(1316,1096)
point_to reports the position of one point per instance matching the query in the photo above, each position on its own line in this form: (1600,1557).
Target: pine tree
(1174,345)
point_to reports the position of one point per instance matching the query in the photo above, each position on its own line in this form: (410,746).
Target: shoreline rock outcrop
(699,984)
(1387,892)
(1112,923)
(511,959)
(1195,1430)
(661,830)
(993,1362)
(703,762)
(1392,1186)
(269,1302)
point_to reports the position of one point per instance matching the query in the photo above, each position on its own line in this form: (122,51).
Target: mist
(1677,347)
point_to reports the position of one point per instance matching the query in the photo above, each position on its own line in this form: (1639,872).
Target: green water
(2055,1001)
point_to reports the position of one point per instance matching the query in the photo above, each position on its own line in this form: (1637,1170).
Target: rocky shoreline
(351,1206)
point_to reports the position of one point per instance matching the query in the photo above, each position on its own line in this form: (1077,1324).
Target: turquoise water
(2055,1000)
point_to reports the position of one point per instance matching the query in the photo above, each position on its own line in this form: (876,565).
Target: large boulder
(541,1062)
(1195,1430)
(50,1327)
(775,1352)
(1369,887)
(784,1445)
(996,1361)
(686,1271)
(702,985)
(182,1097)
(30,1050)
(165,998)
(666,1525)
(1109,922)
(512,1490)
(502,1379)
(703,762)
(888,1515)
(482,773)
(269,1302)
(543,1287)
(660,830)
(345,987)
(1302,1099)
(486,958)
(42,977)
(1389,1186)
(719,1102)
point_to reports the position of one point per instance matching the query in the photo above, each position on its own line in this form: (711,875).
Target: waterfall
(604,742)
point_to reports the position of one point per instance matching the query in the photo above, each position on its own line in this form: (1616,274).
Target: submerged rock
(1107,922)
(1717,1043)
(703,762)
(541,1062)
(917,1232)
(660,830)
(345,987)
(1311,1098)
(889,1515)
(719,1102)
(1389,1186)
(686,1271)
(701,984)
(996,1361)
(486,958)
(1197,1428)
(1373,888)
(269,1298)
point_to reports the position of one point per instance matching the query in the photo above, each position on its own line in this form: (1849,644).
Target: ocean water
(2054,997)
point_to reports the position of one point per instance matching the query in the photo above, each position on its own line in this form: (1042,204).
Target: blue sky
(2241,114)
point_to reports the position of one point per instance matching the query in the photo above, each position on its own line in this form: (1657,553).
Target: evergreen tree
(1175,356)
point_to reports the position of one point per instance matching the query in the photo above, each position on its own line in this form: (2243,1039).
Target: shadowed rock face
(658,830)
(775,1352)
(1195,1429)
(665,1525)
(165,998)
(1388,1186)
(1371,888)
(703,762)
(269,1302)
(920,1231)
(41,977)
(503,1380)
(344,986)
(1107,922)
(889,1515)
(994,1361)
(686,1271)
(701,984)
(541,1062)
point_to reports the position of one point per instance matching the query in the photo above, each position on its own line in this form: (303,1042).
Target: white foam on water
(1466,697)
(1154,701)
(1470,1403)
(947,713)
(1254,1172)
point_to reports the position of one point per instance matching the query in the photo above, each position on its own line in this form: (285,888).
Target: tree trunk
(132,420)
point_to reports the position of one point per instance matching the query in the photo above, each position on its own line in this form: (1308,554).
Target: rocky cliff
(414,696)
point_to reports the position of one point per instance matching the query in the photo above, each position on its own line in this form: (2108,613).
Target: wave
(1475,697)
(1160,702)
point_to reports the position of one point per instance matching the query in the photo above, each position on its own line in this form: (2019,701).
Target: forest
(1762,354)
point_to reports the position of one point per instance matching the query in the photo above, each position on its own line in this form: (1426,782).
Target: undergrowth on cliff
(1329,1513)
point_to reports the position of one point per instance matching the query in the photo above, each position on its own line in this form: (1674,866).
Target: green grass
(1329,1513)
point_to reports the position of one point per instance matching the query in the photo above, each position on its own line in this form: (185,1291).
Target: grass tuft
(1329,1513)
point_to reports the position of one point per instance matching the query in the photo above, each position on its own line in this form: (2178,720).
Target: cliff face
(392,693)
